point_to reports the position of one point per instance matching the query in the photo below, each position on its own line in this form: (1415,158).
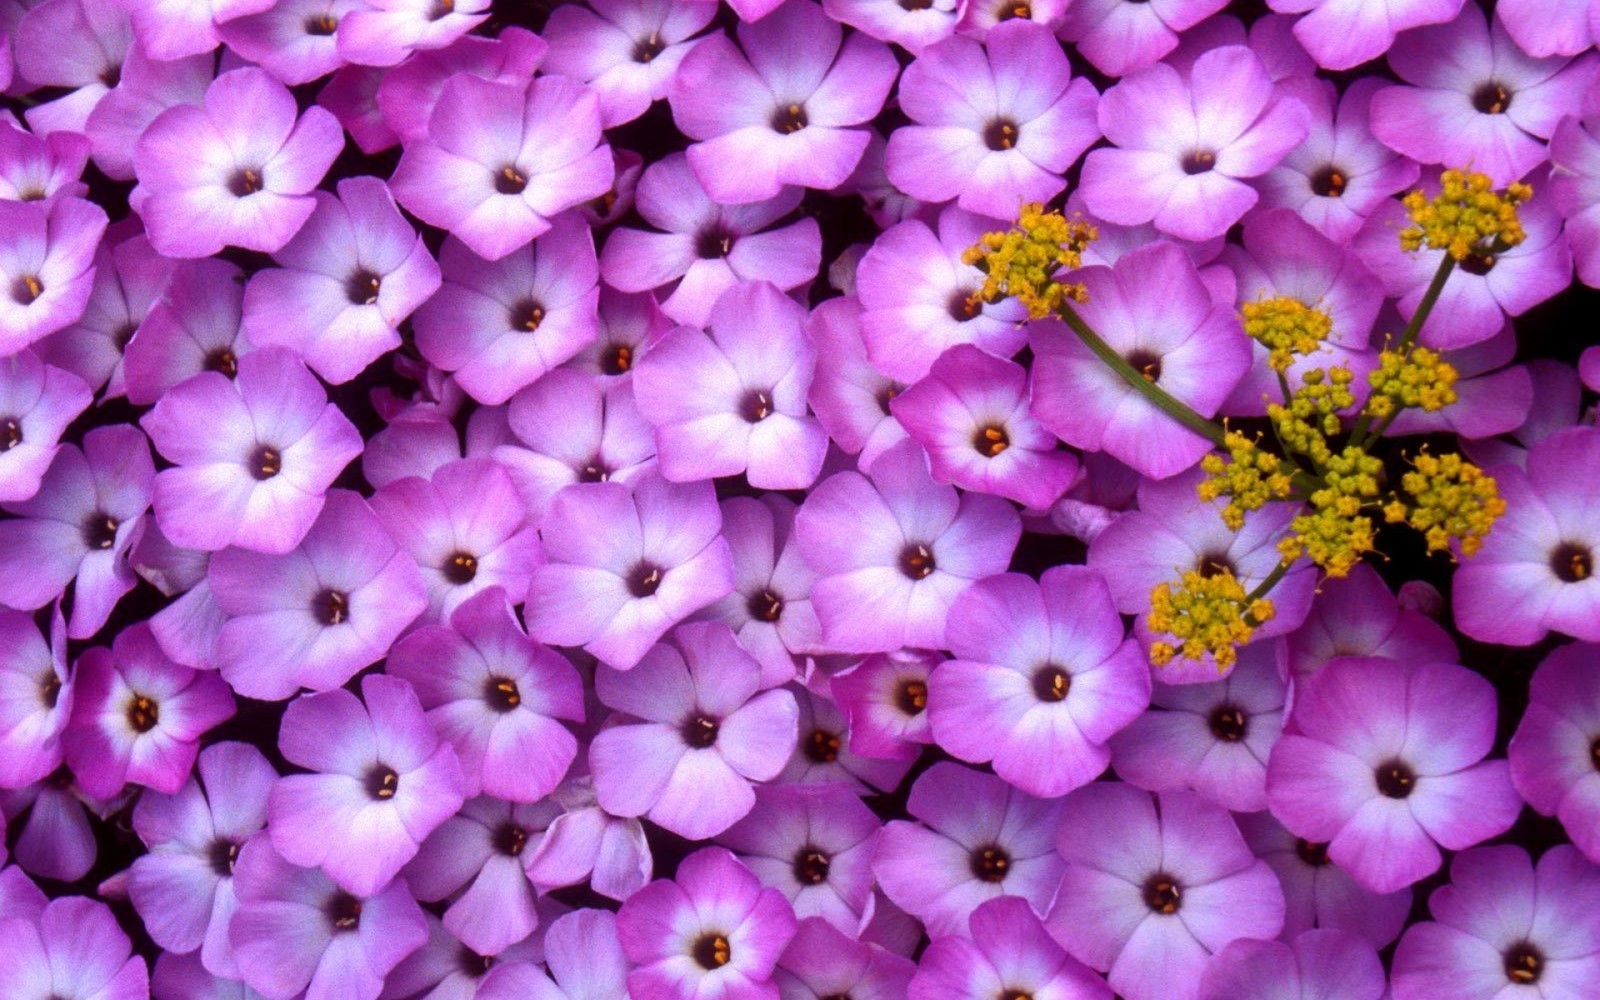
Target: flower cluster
(798,500)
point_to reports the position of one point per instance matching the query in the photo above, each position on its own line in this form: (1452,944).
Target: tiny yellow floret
(1452,500)
(1286,327)
(1467,218)
(1249,479)
(1024,262)
(1204,613)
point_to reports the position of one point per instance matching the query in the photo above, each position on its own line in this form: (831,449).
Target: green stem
(1266,585)
(1429,299)
(1163,400)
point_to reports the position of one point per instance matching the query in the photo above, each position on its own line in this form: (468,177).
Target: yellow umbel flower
(1418,378)
(1023,261)
(1467,217)
(1451,500)
(1286,327)
(1337,531)
(1249,479)
(1311,416)
(1204,614)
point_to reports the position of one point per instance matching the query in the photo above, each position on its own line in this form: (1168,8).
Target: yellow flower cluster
(1312,413)
(1336,534)
(1467,217)
(1023,261)
(1286,327)
(1249,479)
(1205,614)
(1417,378)
(1452,500)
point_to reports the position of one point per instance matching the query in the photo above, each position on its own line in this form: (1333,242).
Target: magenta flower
(296,40)
(76,45)
(731,399)
(138,717)
(409,92)
(848,395)
(770,606)
(823,961)
(1185,149)
(79,525)
(501,160)
(1150,905)
(823,754)
(714,933)
(1153,308)
(1121,36)
(381,781)
(1342,36)
(47,266)
(913,28)
(183,889)
(626,564)
(72,948)
(1575,157)
(1540,559)
(1473,97)
(587,844)
(37,402)
(171,29)
(347,279)
(627,51)
(497,696)
(1552,754)
(129,280)
(254,455)
(813,843)
(704,732)
(704,247)
(971,415)
(978,839)
(916,298)
(145,88)
(237,170)
(784,107)
(1315,963)
(501,325)
(1008,950)
(996,123)
(1505,926)
(38,168)
(1384,763)
(885,700)
(192,328)
(893,551)
(295,930)
(35,698)
(1356,615)
(385,32)
(1539,29)
(1043,676)
(317,614)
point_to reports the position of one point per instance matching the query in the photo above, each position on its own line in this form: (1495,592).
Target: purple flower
(1474,97)
(172,29)
(385,32)
(476,858)
(138,716)
(1575,157)
(813,843)
(1319,893)
(295,930)
(1043,676)
(1383,762)
(445,968)
(1315,964)
(587,844)
(785,110)
(971,415)
(502,159)
(145,88)
(1342,36)
(35,698)
(1184,149)
(347,279)
(996,123)
(1566,28)
(885,700)
(183,888)
(627,51)
(37,401)
(47,266)
(1340,173)
(72,949)
(1209,738)
(1121,36)
(629,324)
(254,455)
(978,839)
(1356,615)
(913,28)
(731,399)
(704,247)
(1505,927)
(822,755)
(501,325)
(497,696)
(916,298)
(130,278)
(381,781)
(316,615)
(893,550)
(237,170)
(1540,557)
(88,511)
(410,91)
(823,961)
(1151,903)
(193,327)
(704,732)
(1152,308)
(713,933)
(848,395)
(77,45)
(55,840)
(37,168)
(1553,753)
(1008,951)
(626,564)
(295,40)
